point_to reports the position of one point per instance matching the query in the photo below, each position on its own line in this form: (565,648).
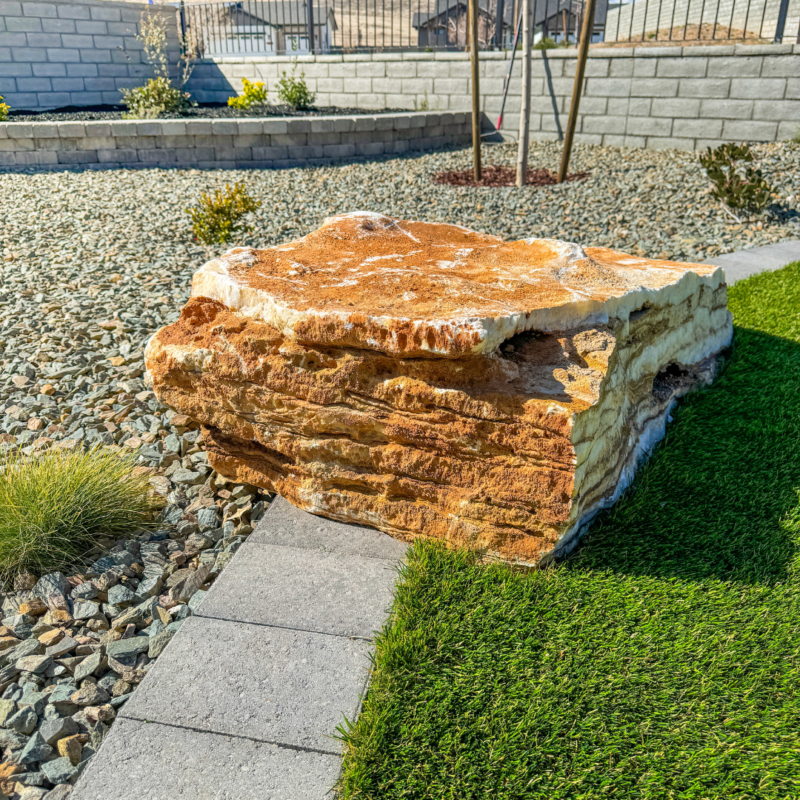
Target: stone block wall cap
(611,52)
(107,4)
(560,52)
(440,55)
(658,52)
(707,50)
(764,49)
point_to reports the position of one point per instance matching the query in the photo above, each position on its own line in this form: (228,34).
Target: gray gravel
(93,263)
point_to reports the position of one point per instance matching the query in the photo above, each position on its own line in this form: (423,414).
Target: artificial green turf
(662,660)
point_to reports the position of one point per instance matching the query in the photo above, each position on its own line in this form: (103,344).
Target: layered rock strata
(429,380)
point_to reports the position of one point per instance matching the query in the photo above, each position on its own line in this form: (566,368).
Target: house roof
(542,10)
(282,12)
(453,8)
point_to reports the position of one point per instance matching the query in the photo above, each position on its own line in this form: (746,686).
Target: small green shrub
(159,95)
(253,94)
(4,109)
(218,217)
(156,97)
(736,186)
(294,91)
(549,44)
(55,505)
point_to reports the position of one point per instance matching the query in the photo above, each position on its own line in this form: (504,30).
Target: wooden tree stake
(577,87)
(476,90)
(525,108)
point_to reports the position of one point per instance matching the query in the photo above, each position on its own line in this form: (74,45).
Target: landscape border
(269,142)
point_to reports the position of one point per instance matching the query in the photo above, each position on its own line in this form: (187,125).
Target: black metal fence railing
(705,21)
(296,27)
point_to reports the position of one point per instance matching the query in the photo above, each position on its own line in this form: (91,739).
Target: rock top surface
(423,289)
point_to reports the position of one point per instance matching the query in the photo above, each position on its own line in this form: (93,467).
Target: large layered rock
(429,380)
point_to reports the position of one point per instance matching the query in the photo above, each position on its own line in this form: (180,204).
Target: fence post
(310,13)
(782,12)
(498,31)
(182,22)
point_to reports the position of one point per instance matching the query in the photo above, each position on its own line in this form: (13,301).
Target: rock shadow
(719,498)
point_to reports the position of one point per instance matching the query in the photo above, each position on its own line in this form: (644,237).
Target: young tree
(525,110)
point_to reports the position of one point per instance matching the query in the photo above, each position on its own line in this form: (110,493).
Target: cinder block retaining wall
(73,52)
(225,144)
(682,97)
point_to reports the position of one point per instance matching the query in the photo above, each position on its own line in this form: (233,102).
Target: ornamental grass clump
(56,505)
(219,217)
(253,94)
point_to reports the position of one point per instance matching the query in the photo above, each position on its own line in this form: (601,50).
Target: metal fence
(704,21)
(296,27)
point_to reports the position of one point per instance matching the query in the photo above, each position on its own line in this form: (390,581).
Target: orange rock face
(433,381)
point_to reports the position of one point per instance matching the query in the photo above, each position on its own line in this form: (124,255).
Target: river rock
(429,380)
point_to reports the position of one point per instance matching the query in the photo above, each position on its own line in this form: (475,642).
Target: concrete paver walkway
(245,701)
(745,263)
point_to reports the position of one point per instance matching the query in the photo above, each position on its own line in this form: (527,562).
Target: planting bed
(225,143)
(204,111)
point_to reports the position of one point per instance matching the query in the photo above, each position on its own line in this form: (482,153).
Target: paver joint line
(285,628)
(295,747)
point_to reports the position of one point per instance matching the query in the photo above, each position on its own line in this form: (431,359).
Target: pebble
(60,770)
(35,750)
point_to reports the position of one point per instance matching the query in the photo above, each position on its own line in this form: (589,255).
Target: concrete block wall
(225,144)
(656,97)
(72,52)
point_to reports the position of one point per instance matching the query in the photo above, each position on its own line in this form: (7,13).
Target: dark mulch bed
(503,176)
(207,111)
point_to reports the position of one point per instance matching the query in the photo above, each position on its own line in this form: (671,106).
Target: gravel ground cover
(503,176)
(92,263)
(210,111)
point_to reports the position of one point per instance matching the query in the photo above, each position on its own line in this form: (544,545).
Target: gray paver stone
(270,684)
(212,765)
(284,524)
(330,592)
